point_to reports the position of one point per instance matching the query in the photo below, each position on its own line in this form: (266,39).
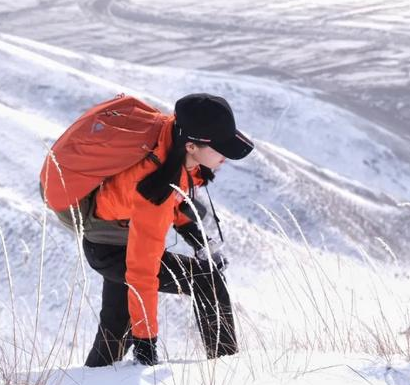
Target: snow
(316,217)
(287,370)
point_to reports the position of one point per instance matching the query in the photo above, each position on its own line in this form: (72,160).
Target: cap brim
(236,148)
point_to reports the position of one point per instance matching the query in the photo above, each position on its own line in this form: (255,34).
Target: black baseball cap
(209,119)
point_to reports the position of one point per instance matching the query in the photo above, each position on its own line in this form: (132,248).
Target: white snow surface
(327,306)
(316,369)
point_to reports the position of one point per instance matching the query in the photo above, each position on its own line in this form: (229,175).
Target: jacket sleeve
(179,218)
(189,230)
(149,225)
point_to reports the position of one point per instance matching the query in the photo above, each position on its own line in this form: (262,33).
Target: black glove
(145,351)
(191,234)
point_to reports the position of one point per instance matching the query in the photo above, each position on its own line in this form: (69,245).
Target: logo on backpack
(97,127)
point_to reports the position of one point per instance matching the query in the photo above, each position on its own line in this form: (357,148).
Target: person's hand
(145,351)
(220,260)
(217,256)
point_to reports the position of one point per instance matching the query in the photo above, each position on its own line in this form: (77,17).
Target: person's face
(203,155)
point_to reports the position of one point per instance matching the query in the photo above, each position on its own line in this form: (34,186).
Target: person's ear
(190,147)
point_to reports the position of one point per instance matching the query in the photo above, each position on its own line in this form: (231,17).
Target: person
(124,238)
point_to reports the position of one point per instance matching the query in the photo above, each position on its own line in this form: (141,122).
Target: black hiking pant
(114,337)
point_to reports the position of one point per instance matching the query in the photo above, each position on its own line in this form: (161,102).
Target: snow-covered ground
(298,370)
(356,51)
(316,219)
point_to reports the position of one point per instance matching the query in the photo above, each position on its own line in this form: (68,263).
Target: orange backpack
(107,139)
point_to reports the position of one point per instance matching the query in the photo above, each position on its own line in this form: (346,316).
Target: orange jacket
(149,224)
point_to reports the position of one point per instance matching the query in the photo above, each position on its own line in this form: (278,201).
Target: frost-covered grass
(304,314)
(307,314)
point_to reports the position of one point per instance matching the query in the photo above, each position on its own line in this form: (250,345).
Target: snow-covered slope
(357,51)
(305,145)
(342,178)
(298,370)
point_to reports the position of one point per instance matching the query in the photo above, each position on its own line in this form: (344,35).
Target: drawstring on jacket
(192,197)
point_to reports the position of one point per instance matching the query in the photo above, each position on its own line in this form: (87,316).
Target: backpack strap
(154,158)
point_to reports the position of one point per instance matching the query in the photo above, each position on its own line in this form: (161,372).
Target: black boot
(113,338)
